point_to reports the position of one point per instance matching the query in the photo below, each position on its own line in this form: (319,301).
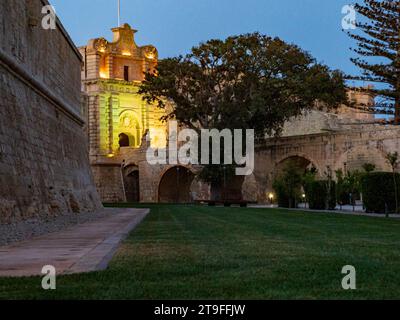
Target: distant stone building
(118,120)
(44,167)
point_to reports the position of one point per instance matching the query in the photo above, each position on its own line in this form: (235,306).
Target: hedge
(282,195)
(317,195)
(378,190)
(343,198)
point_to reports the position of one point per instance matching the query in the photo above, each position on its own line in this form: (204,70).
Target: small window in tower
(126,73)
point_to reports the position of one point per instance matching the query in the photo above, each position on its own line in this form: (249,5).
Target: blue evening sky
(174,26)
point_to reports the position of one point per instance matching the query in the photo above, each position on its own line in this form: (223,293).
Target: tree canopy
(250,81)
(380,38)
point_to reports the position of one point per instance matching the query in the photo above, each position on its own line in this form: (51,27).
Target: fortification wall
(44,167)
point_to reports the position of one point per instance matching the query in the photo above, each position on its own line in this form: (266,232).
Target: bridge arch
(300,160)
(175,185)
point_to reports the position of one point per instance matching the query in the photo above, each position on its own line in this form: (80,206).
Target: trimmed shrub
(281,194)
(378,191)
(318,195)
(288,185)
(333,198)
(343,198)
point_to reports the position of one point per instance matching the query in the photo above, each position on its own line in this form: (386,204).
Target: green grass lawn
(193,252)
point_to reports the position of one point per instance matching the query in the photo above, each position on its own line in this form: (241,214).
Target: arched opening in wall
(124,140)
(297,162)
(175,186)
(131,183)
(130,125)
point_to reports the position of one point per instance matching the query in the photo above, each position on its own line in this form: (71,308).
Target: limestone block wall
(44,167)
(311,122)
(108,181)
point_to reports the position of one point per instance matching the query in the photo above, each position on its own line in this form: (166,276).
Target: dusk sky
(174,26)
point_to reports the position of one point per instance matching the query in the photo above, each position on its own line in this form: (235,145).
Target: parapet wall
(44,167)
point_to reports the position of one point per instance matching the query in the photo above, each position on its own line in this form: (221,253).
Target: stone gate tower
(118,118)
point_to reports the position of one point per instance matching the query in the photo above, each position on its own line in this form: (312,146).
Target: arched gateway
(131,183)
(298,161)
(175,185)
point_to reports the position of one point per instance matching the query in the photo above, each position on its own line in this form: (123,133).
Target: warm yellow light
(270,196)
(110,155)
(158,138)
(126,53)
(303,195)
(102,50)
(150,56)
(103,75)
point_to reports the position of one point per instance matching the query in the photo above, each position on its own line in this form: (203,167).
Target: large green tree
(247,81)
(378,37)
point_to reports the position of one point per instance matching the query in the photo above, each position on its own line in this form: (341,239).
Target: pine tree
(380,39)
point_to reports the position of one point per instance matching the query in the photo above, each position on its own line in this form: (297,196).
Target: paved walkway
(337,211)
(81,248)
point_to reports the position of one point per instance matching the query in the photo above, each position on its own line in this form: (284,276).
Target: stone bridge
(331,150)
(345,149)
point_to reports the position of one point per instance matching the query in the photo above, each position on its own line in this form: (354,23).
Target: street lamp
(271,197)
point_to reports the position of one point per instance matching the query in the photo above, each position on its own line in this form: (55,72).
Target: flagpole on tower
(119,13)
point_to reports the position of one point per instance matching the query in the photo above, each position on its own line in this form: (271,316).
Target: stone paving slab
(82,248)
